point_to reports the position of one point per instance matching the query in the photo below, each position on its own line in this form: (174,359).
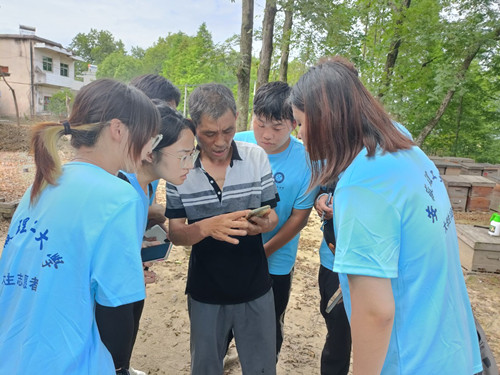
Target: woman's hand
(324,208)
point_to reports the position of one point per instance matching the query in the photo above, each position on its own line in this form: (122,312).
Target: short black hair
(157,87)
(271,101)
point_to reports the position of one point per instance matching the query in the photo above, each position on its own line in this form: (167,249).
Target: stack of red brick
(471,186)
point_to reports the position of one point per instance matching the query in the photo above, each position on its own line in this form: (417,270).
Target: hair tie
(67,128)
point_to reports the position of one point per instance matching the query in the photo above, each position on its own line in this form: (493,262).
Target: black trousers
(336,354)
(118,327)
(282,284)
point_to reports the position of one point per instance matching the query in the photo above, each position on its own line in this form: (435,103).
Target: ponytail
(96,104)
(44,137)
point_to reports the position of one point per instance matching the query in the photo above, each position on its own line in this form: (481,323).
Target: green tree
(59,103)
(189,61)
(245,64)
(120,66)
(94,47)
(266,51)
(155,55)
(422,71)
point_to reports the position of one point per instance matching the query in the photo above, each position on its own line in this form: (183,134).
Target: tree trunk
(267,43)
(459,120)
(449,95)
(14,97)
(285,43)
(68,101)
(392,56)
(244,68)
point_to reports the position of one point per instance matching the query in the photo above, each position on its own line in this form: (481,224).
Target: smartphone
(259,212)
(156,233)
(156,252)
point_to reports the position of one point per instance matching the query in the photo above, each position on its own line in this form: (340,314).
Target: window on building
(46,101)
(64,69)
(47,63)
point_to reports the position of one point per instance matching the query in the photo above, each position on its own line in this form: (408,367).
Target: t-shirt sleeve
(154,186)
(175,208)
(269,191)
(305,199)
(368,231)
(116,274)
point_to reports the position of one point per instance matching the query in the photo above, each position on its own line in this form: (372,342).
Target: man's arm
(222,227)
(372,317)
(295,223)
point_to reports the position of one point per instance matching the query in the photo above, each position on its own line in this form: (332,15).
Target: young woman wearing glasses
(172,156)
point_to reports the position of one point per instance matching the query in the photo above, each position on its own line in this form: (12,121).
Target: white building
(38,68)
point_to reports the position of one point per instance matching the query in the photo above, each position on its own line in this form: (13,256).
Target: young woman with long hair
(396,251)
(74,240)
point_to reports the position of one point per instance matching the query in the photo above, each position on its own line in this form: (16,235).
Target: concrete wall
(15,53)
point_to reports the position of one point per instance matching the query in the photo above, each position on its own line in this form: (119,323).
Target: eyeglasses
(155,141)
(187,161)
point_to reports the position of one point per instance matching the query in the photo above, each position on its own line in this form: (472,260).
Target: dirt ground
(163,342)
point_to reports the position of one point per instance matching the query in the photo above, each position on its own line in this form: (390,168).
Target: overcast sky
(135,22)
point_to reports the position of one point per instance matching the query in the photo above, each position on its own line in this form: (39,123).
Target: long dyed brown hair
(342,117)
(95,105)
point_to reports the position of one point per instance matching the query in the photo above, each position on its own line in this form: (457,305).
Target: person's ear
(149,157)
(294,125)
(117,129)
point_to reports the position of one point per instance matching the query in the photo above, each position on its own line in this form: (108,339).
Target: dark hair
(157,87)
(271,101)
(95,105)
(212,100)
(342,118)
(172,124)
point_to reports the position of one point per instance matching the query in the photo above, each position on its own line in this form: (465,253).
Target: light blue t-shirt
(154,185)
(325,254)
(393,219)
(80,243)
(292,175)
(132,178)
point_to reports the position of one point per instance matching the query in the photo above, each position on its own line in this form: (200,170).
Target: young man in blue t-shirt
(273,124)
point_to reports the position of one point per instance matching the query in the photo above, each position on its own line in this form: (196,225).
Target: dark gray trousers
(253,325)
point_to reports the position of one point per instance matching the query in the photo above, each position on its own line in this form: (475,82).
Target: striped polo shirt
(219,272)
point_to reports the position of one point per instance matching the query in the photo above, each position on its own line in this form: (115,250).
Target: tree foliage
(434,64)
(59,103)
(446,56)
(187,61)
(94,47)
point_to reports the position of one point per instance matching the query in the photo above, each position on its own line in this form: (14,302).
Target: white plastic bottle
(494,225)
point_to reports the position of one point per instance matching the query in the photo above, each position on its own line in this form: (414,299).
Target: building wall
(15,53)
(47,82)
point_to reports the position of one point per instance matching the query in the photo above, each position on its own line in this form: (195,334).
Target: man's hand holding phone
(260,220)
(259,212)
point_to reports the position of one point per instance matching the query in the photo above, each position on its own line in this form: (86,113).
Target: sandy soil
(163,342)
